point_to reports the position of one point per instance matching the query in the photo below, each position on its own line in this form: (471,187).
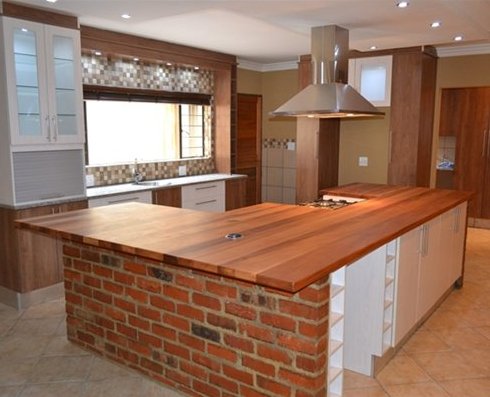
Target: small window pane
(373,82)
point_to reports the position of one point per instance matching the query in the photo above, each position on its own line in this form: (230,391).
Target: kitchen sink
(153,183)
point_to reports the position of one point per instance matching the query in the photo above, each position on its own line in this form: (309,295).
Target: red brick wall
(201,334)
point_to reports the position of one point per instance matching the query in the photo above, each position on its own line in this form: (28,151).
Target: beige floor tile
(429,389)
(103,369)
(16,346)
(10,391)
(485,331)
(62,389)
(353,380)
(14,372)
(60,346)
(447,365)
(476,318)
(479,358)
(119,387)
(401,370)
(9,313)
(446,319)
(35,327)
(468,388)
(462,338)
(425,341)
(54,308)
(376,391)
(61,368)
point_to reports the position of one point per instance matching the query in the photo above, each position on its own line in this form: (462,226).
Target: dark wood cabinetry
(412,116)
(171,197)
(249,144)
(469,112)
(29,260)
(235,193)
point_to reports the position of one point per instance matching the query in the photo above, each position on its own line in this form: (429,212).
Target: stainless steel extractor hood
(329,96)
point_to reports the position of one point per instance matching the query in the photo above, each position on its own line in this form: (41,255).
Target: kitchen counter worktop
(101,191)
(286,247)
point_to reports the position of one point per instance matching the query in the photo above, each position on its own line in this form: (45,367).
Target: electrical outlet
(363,161)
(182,170)
(89,180)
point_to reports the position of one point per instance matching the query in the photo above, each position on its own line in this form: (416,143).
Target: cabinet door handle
(48,128)
(389,146)
(206,187)
(425,240)
(206,202)
(486,135)
(55,128)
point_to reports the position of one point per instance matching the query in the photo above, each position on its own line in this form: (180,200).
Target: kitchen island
(164,291)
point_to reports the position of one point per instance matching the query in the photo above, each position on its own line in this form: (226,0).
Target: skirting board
(22,301)
(479,223)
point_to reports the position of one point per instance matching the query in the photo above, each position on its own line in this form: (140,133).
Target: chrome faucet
(137,175)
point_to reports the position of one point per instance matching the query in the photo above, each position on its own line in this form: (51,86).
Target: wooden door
(485,204)
(473,111)
(249,144)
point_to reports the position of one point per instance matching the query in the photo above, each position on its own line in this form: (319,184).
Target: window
(122,127)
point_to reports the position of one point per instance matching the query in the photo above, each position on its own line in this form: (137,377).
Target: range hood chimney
(329,96)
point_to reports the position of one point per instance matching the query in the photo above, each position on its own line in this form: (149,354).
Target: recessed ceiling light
(435,24)
(402,4)
(458,38)
(98,53)
(196,67)
(373,47)
(125,16)
(168,64)
(24,30)
(136,59)
(51,1)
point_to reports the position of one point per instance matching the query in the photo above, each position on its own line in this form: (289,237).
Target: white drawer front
(209,196)
(140,197)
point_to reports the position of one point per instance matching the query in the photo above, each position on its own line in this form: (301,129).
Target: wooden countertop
(284,246)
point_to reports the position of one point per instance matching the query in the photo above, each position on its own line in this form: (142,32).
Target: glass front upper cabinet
(371,77)
(44,77)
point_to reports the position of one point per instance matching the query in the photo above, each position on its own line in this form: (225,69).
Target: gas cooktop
(332,202)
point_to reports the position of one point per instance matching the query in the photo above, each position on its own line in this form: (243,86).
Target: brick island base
(199,333)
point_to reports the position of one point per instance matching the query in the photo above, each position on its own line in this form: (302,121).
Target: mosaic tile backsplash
(121,72)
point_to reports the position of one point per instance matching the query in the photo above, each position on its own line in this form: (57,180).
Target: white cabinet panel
(407,283)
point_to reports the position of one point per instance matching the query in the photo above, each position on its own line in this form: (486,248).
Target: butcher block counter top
(286,247)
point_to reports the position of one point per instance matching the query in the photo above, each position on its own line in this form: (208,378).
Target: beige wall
(275,88)
(368,138)
(462,71)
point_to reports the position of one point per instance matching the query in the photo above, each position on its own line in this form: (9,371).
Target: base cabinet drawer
(209,196)
(138,197)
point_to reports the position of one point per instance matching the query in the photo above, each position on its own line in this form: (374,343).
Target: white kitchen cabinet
(432,267)
(407,283)
(134,197)
(43,75)
(336,334)
(453,228)
(371,77)
(430,260)
(209,196)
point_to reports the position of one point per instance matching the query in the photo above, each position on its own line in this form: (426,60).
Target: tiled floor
(448,357)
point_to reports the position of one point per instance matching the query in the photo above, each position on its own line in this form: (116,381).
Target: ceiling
(275,31)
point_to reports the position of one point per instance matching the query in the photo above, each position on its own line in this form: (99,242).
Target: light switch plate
(89,180)
(182,170)
(363,161)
